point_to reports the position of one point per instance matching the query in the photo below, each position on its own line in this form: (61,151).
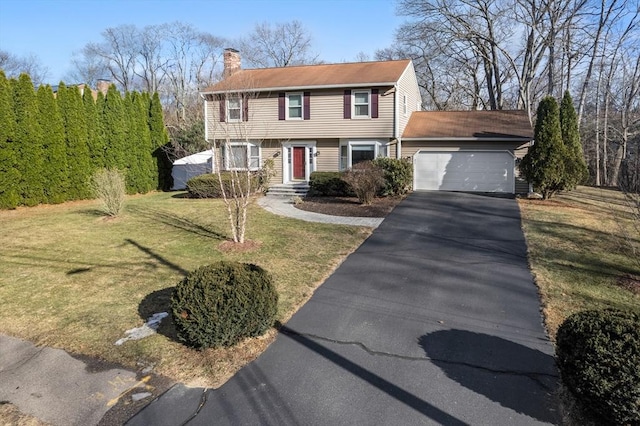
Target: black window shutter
(245,108)
(223,109)
(347,104)
(374,103)
(281,106)
(307,106)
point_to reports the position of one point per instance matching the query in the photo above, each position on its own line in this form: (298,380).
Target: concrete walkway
(283,206)
(434,319)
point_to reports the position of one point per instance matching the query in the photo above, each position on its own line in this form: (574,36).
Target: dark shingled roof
(325,75)
(468,125)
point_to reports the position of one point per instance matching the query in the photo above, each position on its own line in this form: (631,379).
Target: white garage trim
(451,169)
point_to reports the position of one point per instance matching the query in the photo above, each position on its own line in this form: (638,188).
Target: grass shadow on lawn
(178,222)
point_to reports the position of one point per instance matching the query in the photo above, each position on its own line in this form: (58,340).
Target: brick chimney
(232,62)
(103,86)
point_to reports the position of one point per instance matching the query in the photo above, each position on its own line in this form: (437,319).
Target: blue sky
(53,29)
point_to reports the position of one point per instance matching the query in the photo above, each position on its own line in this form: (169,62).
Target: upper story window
(361,104)
(294,106)
(234,108)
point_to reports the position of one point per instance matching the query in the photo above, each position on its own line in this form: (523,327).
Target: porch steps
(299,189)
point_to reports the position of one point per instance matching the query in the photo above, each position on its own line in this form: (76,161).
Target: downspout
(396,124)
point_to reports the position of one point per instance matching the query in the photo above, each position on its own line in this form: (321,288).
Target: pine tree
(9,173)
(70,104)
(543,165)
(54,172)
(575,167)
(159,142)
(28,137)
(94,134)
(113,126)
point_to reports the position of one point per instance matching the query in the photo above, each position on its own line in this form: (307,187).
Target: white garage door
(474,171)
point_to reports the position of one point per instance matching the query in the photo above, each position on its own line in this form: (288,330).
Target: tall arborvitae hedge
(71,107)
(143,147)
(159,142)
(130,145)
(113,127)
(94,134)
(28,137)
(55,171)
(575,167)
(9,173)
(543,165)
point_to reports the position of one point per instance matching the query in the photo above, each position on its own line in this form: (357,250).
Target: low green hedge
(220,304)
(598,354)
(208,185)
(329,184)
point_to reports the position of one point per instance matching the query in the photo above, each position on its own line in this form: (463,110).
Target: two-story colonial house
(329,117)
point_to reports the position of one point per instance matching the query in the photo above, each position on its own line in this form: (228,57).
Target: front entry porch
(298,161)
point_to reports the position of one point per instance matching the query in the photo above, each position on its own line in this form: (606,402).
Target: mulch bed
(348,206)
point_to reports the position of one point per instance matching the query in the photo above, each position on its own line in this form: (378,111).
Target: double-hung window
(294,106)
(234,108)
(241,155)
(361,104)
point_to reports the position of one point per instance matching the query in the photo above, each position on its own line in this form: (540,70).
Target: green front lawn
(70,278)
(579,252)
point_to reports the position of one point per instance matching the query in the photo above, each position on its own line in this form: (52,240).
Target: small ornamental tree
(544,164)
(9,173)
(575,168)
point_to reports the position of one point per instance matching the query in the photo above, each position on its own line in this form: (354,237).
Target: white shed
(193,165)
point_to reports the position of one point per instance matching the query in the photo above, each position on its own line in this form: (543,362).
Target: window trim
(404,104)
(287,106)
(227,109)
(353,104)
(381,149)
(247,145)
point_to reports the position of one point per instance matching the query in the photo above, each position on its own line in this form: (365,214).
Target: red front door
(298,162)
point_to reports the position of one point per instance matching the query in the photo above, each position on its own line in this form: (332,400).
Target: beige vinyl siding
(326,119)
(407,85)
(328,158)
(272,149)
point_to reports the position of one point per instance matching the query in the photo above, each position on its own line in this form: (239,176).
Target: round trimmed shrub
(598,354)
(223,303)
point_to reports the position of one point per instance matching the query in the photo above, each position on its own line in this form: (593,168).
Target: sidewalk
(283,206)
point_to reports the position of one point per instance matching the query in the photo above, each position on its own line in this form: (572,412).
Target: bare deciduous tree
(14,65)
(280,45)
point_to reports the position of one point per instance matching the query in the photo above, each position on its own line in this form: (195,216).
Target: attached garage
(474,171)
(471,151)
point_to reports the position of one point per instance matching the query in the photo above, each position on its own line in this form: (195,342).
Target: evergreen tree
(9,173)
(94,134)
(113,127)
(575,167)
(543,165)
(159,145)
(28,138)
(54,172)
(131,145)
(71,107)
(145,158)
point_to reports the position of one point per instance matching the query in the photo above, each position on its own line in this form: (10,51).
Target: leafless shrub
(366,179)
(108,185)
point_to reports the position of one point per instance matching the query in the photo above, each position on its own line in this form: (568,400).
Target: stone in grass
(139,396)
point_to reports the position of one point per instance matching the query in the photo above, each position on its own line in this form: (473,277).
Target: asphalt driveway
(433,320)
